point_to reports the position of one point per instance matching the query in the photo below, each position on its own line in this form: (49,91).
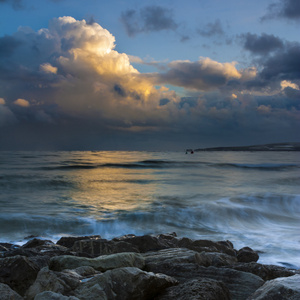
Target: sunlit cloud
(203,75)
(48,68)
(285,83)
(22,102)
(76,81)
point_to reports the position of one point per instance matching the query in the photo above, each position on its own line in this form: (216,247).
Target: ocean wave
(166,164)
(261,221)
(33,182)
(265,166)
(217,217)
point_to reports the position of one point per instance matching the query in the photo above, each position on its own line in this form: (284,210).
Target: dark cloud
(211,29)
(7,45)
(119,90)
(204,74)
(75,91)
(289,9)
(163,101)
(283,65)
(147,19)
(263,44)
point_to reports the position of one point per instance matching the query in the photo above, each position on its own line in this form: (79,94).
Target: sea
(249,198)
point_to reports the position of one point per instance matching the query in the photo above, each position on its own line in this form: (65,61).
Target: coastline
(139,267)
(257,148)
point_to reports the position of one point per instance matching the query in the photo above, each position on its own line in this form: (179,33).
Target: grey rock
(170,256)
(147,243)
(240,284)
(207,246)
(96,247)
(215,259)
(101,263)
(6,293)
(18,272)
(266,272)
(197,289)
(183,255)
(124,283)
(286,288)
(36,243)
(53,296)
(68,241)
(247,255)
(58,282)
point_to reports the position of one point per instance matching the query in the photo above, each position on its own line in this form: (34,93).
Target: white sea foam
(251,199)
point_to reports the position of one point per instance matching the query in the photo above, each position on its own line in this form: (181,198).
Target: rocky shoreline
(159,267)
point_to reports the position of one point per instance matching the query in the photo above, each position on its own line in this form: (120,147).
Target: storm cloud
(288,9)
(204,74)
(283,65)
(66,87)
(150,18)
(263,44)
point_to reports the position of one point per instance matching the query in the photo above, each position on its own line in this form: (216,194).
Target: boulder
(215,259)
(36,243)
(101,263)
(197,289)
(58,282)
(6,293)
(19,272)
(124,283)
(22,252)
(68,241)
(247,255)
(266,272)
(183,255)
(146,243)
(285,288)
(170,256)
(207,246)
(96,247)
(53,296)
(240,284)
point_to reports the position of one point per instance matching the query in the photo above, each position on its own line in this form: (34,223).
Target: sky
(148,75)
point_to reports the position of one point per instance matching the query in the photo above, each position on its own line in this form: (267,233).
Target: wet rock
(169,256)
(174,256)
(247,255)
(207,246)
(146,243)
(286,288)
(22,252)
(240,284)
(19,272)
(36,243)
(58,282)
(68,241)
(197,289)
(124,283)
(53,296)
(215,259)
(6,293)
(266,272)
(101,263)
(103,247)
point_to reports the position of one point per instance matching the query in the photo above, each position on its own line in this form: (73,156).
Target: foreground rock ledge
(158,267)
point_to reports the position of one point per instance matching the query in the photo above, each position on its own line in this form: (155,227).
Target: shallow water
(249,198)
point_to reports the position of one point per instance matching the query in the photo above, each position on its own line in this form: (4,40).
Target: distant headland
(265,147)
